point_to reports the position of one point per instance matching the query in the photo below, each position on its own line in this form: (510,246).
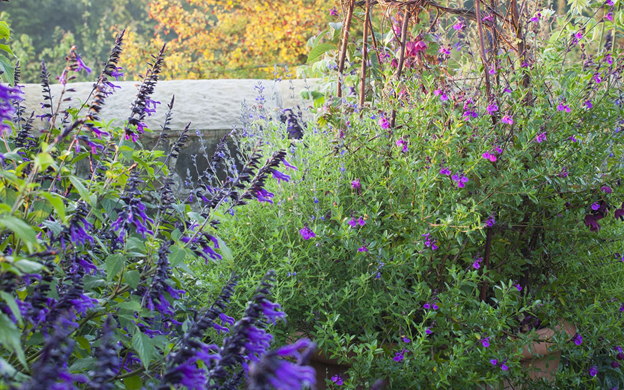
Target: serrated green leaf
(5,31)
(9,70)
(10,337)
(132,278)
(114,264)
(129,305)
(177,255)
(133,382)
(84,194)
(24,231)
(56,201)
(85,364)
(318,51)
(10,301)
(144,347)
(28,266)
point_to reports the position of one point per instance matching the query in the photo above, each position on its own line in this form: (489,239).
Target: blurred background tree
(206,38)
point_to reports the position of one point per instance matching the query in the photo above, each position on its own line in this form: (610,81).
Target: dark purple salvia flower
(50,370)
(200,245)
(272,372)
(593,371)
(8,95)
(606,189)
(143,100)
(248,339)
(292,122)
(73,302)
(133,213)
(490,221)
(182,368)
(280,176)
(577,339)
(78,231)
(154,297)
(541,137)
(103,87)
(619,213)
(107,359)
(430,242)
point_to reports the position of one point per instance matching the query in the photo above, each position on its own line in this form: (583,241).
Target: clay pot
(539,361)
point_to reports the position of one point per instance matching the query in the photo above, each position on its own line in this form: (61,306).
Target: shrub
(456,206)
(94,281)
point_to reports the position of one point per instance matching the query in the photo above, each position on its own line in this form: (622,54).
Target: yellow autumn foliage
(228,39)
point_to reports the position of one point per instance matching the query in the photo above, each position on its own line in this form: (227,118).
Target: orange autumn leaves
(228,39)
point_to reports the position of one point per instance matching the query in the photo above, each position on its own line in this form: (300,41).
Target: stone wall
(212,106)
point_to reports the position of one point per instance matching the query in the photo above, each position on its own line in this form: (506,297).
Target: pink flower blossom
(507,119)
(402,143)
(383,122)
(540,138)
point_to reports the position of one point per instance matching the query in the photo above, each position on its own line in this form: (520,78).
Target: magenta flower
(444,50)
(363,248)
(477,263)
(579,35)
(504,367)
(383,122)
(492,69)
(572,138)
(485,342)
(458,26)
(490,221)
(609,16)
(541,138)
(588,104)
(494,362)
(405,339)
(606,189)
(435,306)
(597,79)
(398,356)
(507,90)
(498,150)
(536,18)
(489,156)
(355,184)
(401,142)
(593,371)
(595,206)
(333,12)
(507,119)
(361,221)
(428,331)
(563,107)
(492,108)
(337,380)
(427,306)
(445,171)
(307,233)
(518,287)
(610,3)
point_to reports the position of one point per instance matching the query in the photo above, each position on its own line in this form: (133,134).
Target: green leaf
(41,211)
(132,278)
(10,301)
(133,382)
(5,31)
(44,160)
(9,70)
(177,255)
(225,251)
(129,305)
(84,194)
(85,364)
(318,51)
(7,49)
(28,266)
(114,265)
(56,201)
(6,368)
(10,337)
(144,347)
(21,229)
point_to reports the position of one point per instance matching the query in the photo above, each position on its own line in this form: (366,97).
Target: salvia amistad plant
(94,283)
